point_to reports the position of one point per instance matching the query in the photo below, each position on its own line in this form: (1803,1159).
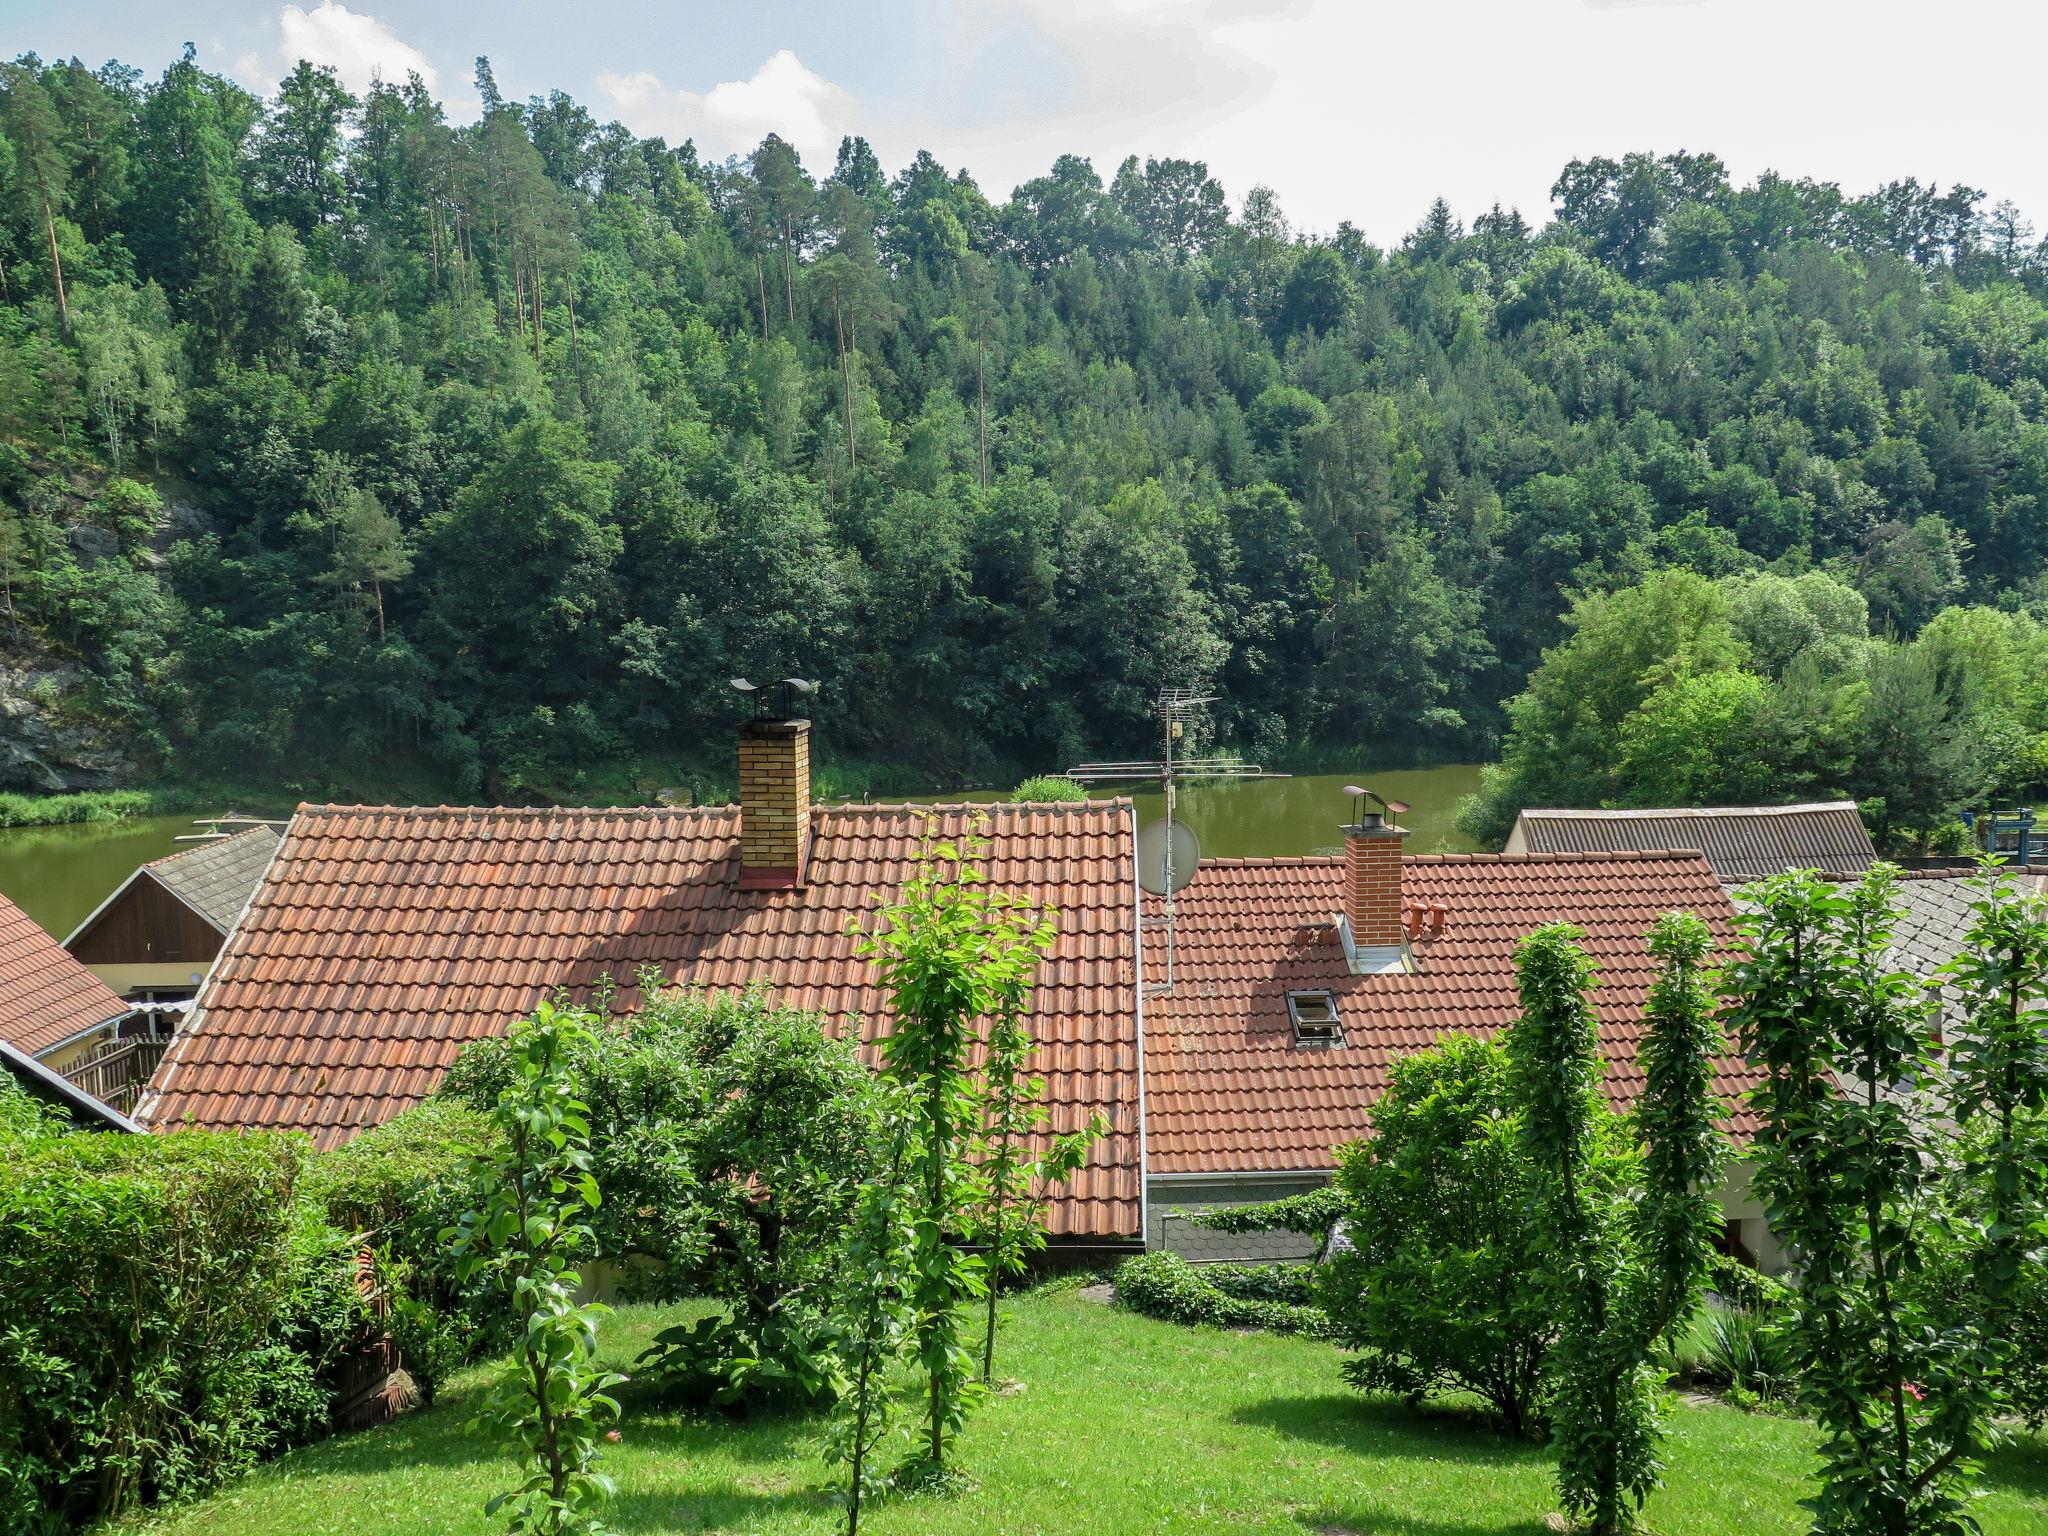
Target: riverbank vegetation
(68,810)
(331,431)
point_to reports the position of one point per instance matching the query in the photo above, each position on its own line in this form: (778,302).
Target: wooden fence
(115,1072)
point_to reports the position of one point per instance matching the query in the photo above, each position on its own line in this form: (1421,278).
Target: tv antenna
(1168,850)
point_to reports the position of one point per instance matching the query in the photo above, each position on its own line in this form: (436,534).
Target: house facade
(154,936)
(1299,982)
(381,940)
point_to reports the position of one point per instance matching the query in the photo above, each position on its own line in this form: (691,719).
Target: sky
(1350,109)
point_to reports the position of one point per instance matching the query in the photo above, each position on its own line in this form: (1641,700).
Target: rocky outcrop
(46,746)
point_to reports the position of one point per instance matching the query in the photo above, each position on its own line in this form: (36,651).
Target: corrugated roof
(217,879)
(384,939)
(1742,842)
(1227,1090)
(46,997)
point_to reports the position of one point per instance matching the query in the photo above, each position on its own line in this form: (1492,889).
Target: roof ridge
(1574,856)
(903,807)
(1647,813)
(207,846)
(1113,803)
(336,808)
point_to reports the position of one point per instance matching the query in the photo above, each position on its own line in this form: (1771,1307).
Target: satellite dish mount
(1178,850)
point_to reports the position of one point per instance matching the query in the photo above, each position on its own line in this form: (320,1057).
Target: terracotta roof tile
(46,997)
(1226,1089)
(384,939)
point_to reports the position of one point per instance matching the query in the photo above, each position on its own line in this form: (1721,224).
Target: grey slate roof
(216,880)
(1743,842)
(1934,919)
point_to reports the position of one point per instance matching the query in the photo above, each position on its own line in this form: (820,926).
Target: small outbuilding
(154,938)
(1741,842)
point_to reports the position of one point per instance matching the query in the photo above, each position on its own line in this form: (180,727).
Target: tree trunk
(788,270)
(981,406)
(56,262)
(575,352)
(761,287)
(845,382)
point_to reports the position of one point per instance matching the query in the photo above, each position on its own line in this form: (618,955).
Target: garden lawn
(1121,1425)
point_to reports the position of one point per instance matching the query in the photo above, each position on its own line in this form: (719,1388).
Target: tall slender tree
(41,171)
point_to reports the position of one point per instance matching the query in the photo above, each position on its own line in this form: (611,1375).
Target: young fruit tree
(1998,1094)
(873,1319)
(1850,1162)
(1621,1264)
(1013,1180)
(534,1190)
(949,952)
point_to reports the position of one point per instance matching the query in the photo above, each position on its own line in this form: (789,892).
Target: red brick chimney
(775,803)
(1372,881)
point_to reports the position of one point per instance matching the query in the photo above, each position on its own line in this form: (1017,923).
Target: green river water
(59,874)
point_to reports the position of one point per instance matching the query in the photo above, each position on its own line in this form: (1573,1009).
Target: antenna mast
(1176,707)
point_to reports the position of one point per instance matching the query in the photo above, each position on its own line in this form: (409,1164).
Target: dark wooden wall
(148,926)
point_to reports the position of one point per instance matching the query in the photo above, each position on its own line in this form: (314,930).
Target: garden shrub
(1313,1213)
(729,1138)
(1164,1285)
(1741,1286)
(1743,1351)
(167,1307)
(1441,1287)
(400,1185)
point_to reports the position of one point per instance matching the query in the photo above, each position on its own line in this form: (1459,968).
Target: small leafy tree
(523,1235)
(1441,1285)
(1684,1151)
(949,952)
(1618,1271)
(1998,1091)
(872,1323)
(1013,1183)
(730,1137)
(1846,1173)
(785,1134)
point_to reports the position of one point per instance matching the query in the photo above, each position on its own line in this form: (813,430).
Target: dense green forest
(332,432)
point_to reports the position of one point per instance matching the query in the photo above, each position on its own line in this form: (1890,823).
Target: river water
(59,874)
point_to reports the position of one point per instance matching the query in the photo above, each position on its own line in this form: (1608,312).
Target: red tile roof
(382,940)
(1227,1091)
(46,997)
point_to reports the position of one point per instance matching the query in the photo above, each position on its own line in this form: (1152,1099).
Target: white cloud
(356,45)
(783,96)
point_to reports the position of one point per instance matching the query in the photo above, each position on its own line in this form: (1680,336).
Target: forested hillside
(337,433)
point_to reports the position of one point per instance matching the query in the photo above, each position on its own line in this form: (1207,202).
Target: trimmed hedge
(1312,1214)
(1164,1285)
(166,1308)
(400,1185)
(1740,1286)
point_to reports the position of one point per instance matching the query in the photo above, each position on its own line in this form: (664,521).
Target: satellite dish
(1155,839)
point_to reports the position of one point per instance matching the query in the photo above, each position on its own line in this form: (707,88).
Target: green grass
(1121,1425)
